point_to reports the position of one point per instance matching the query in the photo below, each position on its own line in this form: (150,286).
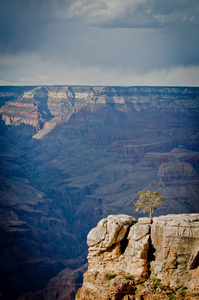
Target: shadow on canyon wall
(73,155)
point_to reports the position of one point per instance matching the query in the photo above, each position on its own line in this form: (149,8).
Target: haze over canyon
(72,155)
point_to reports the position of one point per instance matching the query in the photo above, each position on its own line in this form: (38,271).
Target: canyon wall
(45,107)
(129,260)
(72,155)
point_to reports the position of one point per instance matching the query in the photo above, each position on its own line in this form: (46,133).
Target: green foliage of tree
(148,202)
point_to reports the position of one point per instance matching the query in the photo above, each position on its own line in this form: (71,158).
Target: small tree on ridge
(148,202)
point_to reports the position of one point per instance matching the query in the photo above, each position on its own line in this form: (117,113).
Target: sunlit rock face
(38,105)
(72,155)
(157,259)
(176,240)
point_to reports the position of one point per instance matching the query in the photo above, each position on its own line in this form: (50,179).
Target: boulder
(109,231)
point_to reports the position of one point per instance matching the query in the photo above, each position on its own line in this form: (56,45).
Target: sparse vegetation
(142,284)
(142,281)
(148,202)
(172,297)
(183,292)
(163,287)
(136,293)
(78,291)
(107,288)
(154,279)
(150,269)
(109,276)
(128,277)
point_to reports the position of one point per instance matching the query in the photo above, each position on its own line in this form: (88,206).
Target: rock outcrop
(15,113)
(129,260)
(175,239)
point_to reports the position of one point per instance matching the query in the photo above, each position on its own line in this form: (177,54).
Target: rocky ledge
(139,260)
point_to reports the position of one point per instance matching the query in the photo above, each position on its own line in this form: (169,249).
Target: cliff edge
(139,260)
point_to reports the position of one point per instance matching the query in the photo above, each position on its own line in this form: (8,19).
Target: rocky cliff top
(137,260)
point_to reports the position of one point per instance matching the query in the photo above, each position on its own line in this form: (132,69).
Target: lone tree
(148,202)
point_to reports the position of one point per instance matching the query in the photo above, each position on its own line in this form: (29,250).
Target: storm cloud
(112,42)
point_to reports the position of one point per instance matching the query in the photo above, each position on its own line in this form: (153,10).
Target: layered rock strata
(93,149)
(129,260)
(61,102)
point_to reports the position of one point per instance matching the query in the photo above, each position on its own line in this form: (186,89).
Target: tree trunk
(150,216)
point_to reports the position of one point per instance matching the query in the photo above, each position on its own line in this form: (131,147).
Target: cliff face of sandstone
(46,107)
(129,260)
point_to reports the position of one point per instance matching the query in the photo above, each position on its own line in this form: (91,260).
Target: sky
(99,42)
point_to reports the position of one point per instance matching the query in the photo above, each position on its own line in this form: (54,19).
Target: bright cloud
(106,10)
(99,42)
(133,13)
